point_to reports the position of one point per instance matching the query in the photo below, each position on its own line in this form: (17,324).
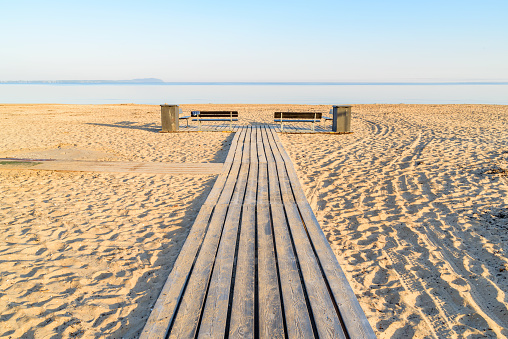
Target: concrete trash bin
(169,118)
(341,119)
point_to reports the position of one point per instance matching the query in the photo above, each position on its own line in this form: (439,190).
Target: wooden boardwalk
(256,262)
(111,166)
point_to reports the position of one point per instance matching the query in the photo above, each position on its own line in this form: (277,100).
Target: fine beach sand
(414,203)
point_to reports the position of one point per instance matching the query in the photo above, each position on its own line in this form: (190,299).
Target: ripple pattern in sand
(417,216)
(87,254)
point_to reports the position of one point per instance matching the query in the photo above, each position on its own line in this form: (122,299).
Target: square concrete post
(341,119)
(169,118)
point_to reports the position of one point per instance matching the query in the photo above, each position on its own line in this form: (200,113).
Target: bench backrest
(215,114)
(297,115)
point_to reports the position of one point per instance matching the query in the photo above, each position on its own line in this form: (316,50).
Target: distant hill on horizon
(85,82)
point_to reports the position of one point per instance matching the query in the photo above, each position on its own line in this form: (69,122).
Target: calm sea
(256,94)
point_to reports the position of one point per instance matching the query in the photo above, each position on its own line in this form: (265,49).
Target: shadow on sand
(151,127)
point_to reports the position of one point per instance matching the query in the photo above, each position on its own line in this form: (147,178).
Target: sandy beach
(413,203)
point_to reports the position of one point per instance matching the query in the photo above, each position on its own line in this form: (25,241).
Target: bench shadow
(151,127)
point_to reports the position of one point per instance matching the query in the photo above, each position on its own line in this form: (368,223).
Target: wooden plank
(269,300)
(216,191)
(327,320)
(242,311)
(269,296)
(164,309)
(352,314)
(232,148)
(232,177)
(251,191)
(284,184)
(273,182)
(350,310)
(246,146)
(187,317)
(241,185)
(298,321)
(213,322)
(259,146)
(253,151)
(116,167)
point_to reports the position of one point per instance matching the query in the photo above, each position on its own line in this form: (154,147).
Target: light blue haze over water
(255,94)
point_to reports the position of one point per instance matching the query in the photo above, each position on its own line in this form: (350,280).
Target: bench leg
(313,123)
(230,125)
(281,126)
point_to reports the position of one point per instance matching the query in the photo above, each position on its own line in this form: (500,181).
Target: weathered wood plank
(326,319)
(246,146)
(351,312)
(213,322)
(187,317)
(229,186)
(116,167)
(242,311)
(164,309)
(260,146)
(273,182)
(252,183)
(298,321)
(284,184)
(269,296)
(241,184)
(254,151)
(297,317)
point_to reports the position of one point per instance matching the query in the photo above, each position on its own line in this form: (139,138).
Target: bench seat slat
(297,115)
(295,120)
(206,119)
(233,114)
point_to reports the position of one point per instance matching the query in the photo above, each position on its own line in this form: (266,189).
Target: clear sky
(222,40)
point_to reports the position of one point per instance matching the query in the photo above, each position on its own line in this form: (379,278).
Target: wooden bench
(200,116)
(283,117)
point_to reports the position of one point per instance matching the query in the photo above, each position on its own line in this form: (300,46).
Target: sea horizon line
(153,81)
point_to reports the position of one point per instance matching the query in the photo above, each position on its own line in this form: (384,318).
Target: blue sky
(254,41)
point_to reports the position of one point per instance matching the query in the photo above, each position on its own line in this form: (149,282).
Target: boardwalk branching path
(256,263)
